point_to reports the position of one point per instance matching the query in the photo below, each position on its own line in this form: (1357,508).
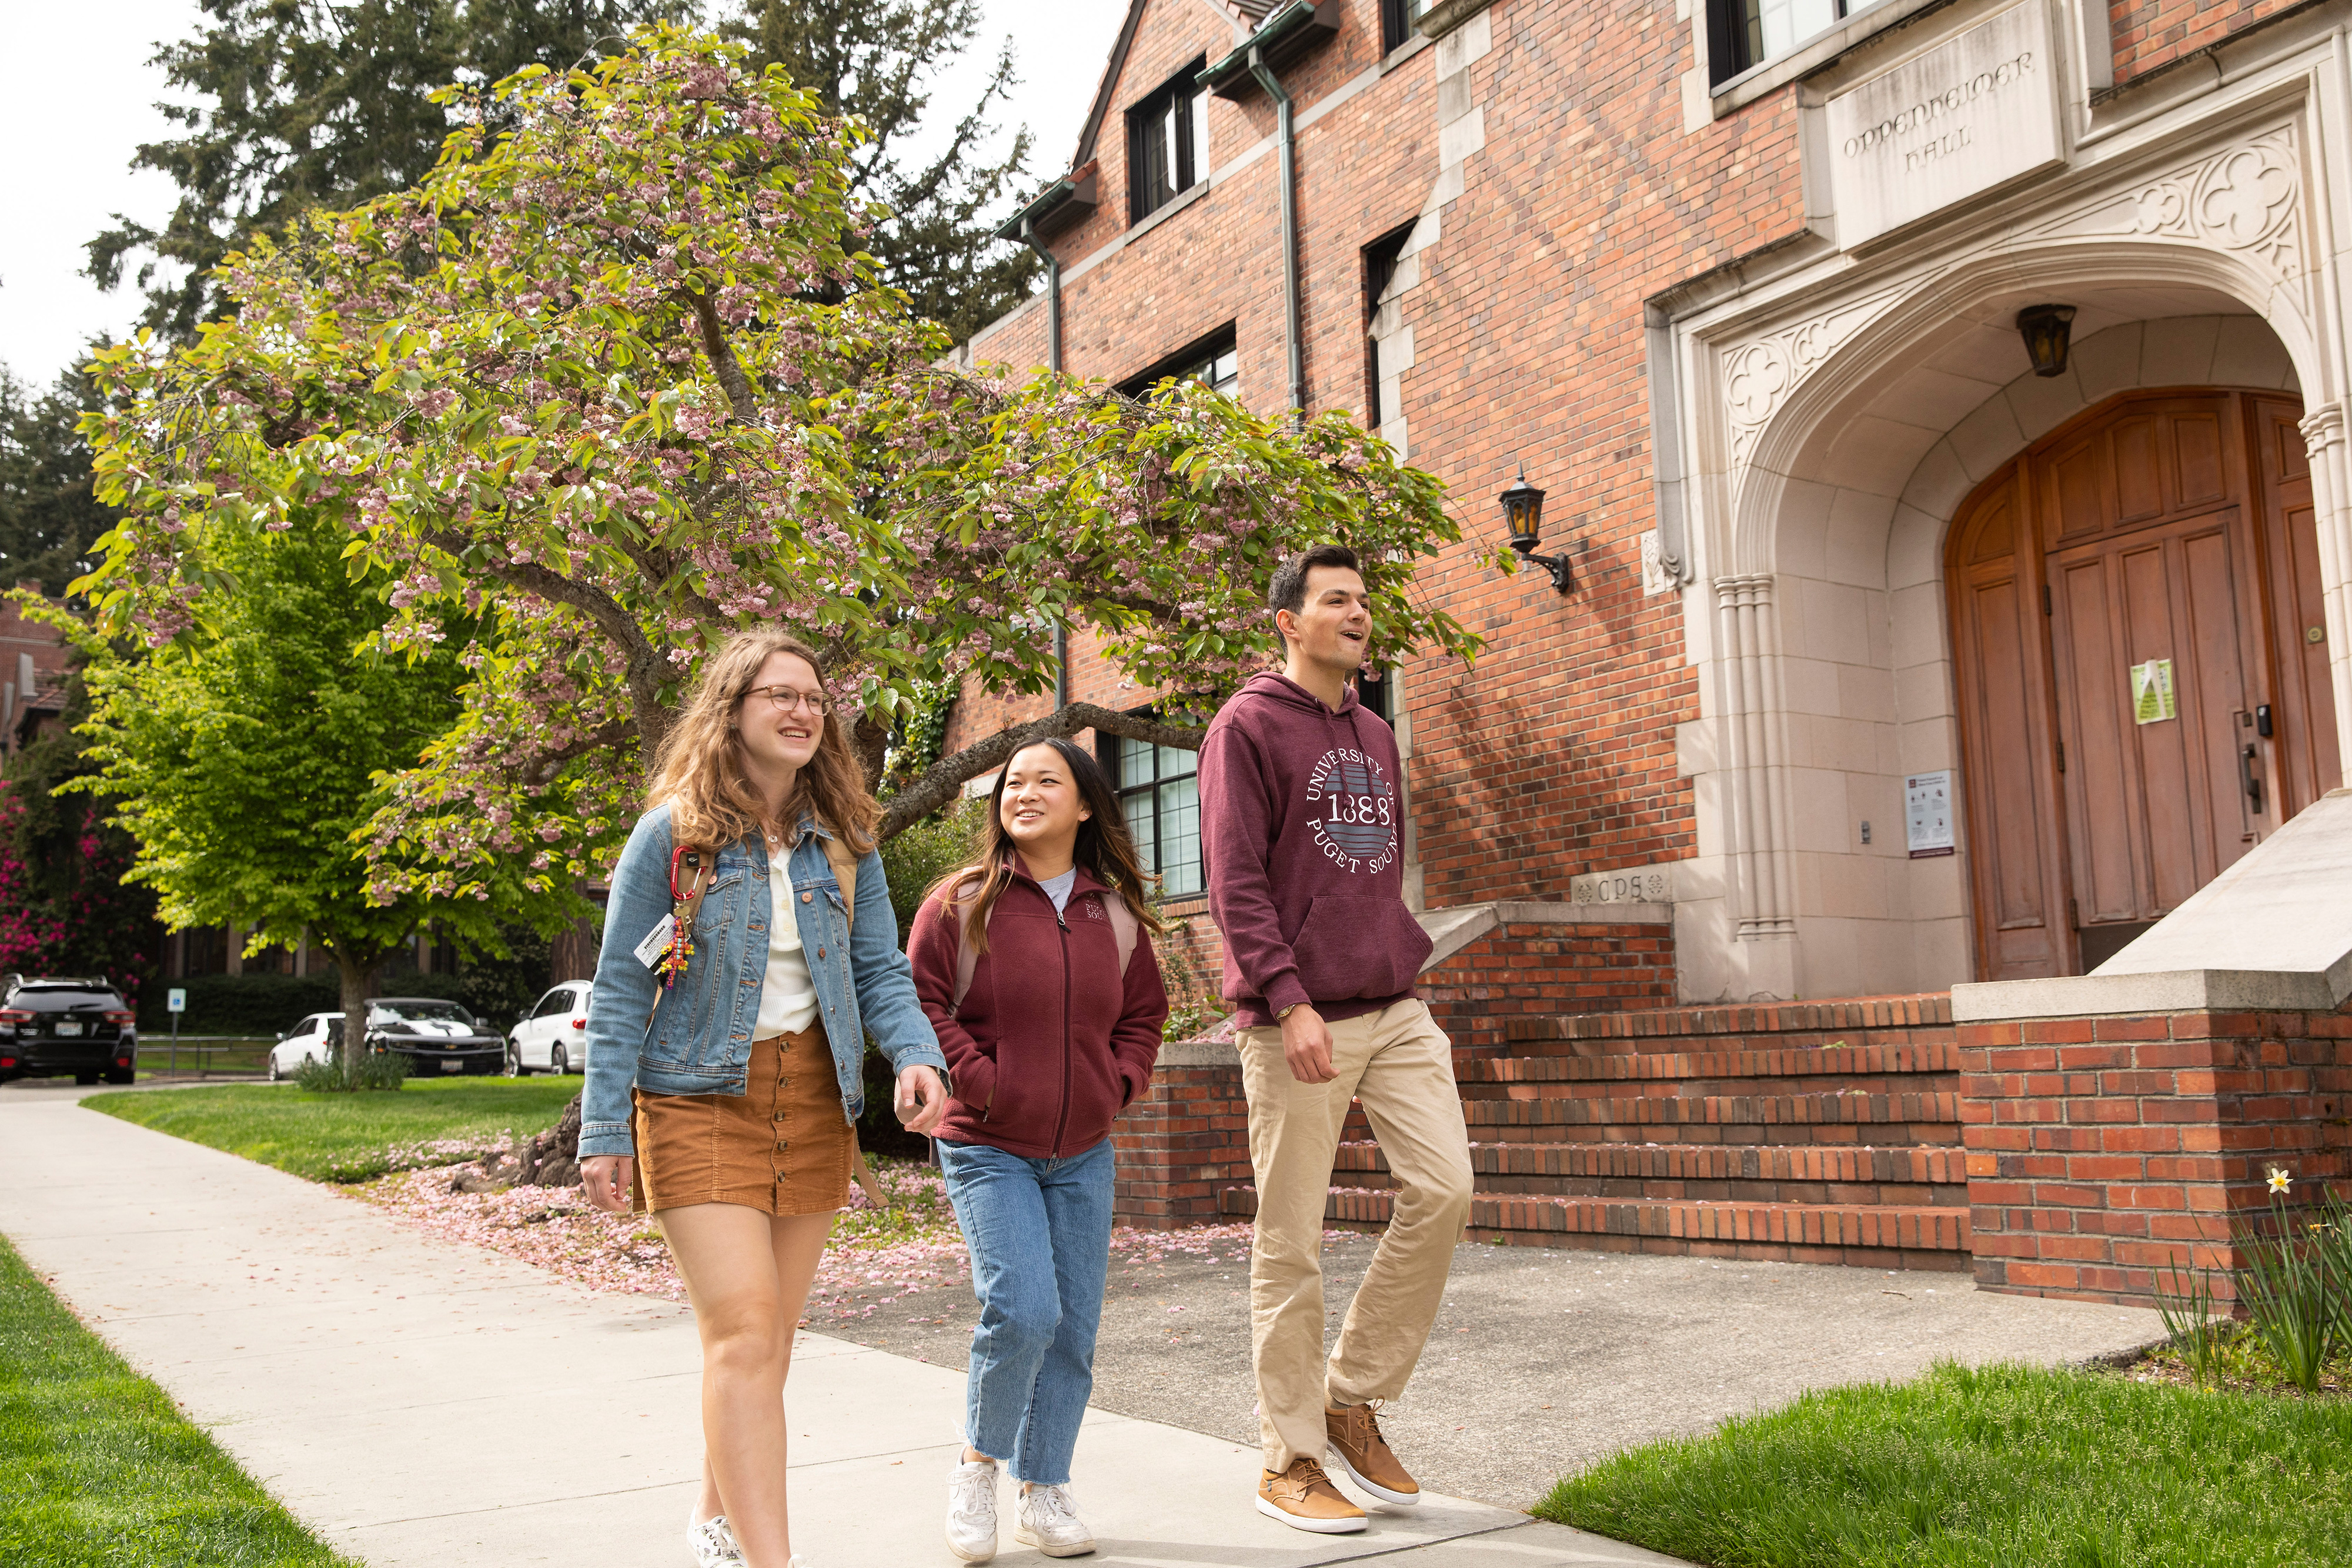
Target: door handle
(2246,777)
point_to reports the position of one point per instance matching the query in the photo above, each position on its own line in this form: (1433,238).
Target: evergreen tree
(319,102)
(874,60)
(49,516)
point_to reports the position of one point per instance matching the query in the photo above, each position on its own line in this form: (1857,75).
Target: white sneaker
(713,1543)
(971,1509)
(1048,1523)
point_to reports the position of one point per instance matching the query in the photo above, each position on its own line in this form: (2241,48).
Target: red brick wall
(1555,753)
(1180,1145)
(1522,972)
(2150,34)
(2100,1150)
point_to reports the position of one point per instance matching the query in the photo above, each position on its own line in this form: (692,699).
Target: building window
(1397,17)
(1376,689)
(1159,794)
(1745,34)
(1214,360)
(1380,258)
(1167,143)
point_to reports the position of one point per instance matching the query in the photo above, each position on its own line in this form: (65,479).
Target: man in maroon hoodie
(1301,818)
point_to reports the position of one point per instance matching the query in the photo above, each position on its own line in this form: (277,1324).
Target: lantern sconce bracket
(1523,519)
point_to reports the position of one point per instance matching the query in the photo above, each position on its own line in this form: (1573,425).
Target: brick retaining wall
(2101,1149)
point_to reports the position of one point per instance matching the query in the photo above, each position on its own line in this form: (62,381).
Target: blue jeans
(1039,1232)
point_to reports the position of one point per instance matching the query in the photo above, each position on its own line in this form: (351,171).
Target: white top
(787,993)
(1058,888)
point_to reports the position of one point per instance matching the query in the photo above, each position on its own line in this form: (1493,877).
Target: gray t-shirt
(1058,888)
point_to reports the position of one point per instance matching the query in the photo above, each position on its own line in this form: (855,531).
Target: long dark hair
(1105,848)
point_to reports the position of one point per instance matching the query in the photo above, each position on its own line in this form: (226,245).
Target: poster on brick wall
(1927,813)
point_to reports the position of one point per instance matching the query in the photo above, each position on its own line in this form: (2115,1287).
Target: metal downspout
(1054,363)
(1286,138)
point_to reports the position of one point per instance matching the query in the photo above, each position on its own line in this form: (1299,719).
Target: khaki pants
(1399,1063)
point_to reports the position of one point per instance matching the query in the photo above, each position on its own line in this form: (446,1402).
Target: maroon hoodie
(1302,823)
(1052,1041)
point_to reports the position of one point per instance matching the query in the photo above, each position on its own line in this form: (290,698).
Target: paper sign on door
(2151,691)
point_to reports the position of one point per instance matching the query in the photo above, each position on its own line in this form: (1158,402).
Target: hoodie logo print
(1352,804)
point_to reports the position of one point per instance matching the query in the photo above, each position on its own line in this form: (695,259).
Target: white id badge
(656,941)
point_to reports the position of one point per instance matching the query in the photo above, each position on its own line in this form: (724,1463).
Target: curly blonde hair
(699,772)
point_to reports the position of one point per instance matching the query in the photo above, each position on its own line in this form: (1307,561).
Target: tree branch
(645,662)
(545,763)
(939,782)
(722,355)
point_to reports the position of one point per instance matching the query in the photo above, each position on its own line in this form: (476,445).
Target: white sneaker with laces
(714,1544)
(971,1509)
(1048,1523)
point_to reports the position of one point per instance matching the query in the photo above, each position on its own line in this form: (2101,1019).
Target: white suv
(554,1038)
(309,1040)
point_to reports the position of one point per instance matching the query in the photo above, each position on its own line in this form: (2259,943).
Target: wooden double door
(2142,668)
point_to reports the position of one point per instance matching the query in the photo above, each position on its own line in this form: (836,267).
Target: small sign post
(175,1002)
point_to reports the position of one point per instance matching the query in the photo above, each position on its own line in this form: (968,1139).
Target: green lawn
(343,1137)
(2002,1465)
(101,1471)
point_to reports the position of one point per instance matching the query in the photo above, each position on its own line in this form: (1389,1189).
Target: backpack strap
(1124,927)
(959,901)
(844,874)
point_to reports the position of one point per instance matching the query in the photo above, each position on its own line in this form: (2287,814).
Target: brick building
(1917,634)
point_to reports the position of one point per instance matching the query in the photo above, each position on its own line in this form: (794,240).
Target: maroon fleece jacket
(1302,823)
(1052,1041)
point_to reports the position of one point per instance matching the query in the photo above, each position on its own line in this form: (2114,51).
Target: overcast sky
(76,101)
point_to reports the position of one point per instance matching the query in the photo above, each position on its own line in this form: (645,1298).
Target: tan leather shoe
(1303,1498)
(1365,1457)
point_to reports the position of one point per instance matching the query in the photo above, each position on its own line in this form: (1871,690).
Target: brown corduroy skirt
(783,1146)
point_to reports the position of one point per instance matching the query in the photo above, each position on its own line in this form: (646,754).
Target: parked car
(436,1036)
(54,1024)
(553,1036)
(311,1040)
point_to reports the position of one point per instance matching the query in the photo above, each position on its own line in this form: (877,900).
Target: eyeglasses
(784,699)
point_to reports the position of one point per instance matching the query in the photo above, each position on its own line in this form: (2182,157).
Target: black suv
(57,1023)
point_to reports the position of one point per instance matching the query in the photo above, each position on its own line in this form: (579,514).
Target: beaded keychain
(683,906)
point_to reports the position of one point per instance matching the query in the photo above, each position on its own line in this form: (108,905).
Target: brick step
(1911,1177)
(1860,1022)
(1491,1077)
(1861,1234)
(1610,1120)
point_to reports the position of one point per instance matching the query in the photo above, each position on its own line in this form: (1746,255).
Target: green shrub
(378,1069)
(926,853)
(251,1004)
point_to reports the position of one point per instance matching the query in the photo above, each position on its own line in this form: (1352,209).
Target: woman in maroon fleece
(1035,966)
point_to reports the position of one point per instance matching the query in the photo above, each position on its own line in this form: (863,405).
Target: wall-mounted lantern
(1523,516)
(2046,330)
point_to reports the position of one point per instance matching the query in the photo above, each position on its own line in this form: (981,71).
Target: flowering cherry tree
(612,381)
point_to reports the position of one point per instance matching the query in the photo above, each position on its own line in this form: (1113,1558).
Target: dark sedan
(436,1036)
(54,1025)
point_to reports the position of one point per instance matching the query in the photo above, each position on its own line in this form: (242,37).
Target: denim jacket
(700,1042)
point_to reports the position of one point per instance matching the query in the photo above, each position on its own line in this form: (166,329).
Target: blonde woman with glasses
(749,948)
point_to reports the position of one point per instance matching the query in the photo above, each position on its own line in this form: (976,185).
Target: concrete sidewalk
(420,1403)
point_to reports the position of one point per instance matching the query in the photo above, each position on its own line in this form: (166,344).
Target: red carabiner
(686,852)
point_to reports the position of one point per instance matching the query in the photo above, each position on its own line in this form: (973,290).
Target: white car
(309,1040)
(554,1037)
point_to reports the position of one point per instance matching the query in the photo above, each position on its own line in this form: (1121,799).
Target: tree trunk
(572,954)
(356,974)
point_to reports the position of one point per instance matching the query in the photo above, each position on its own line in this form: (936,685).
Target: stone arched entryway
(1828,658)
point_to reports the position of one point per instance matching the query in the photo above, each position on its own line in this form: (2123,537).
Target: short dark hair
(1288,589)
